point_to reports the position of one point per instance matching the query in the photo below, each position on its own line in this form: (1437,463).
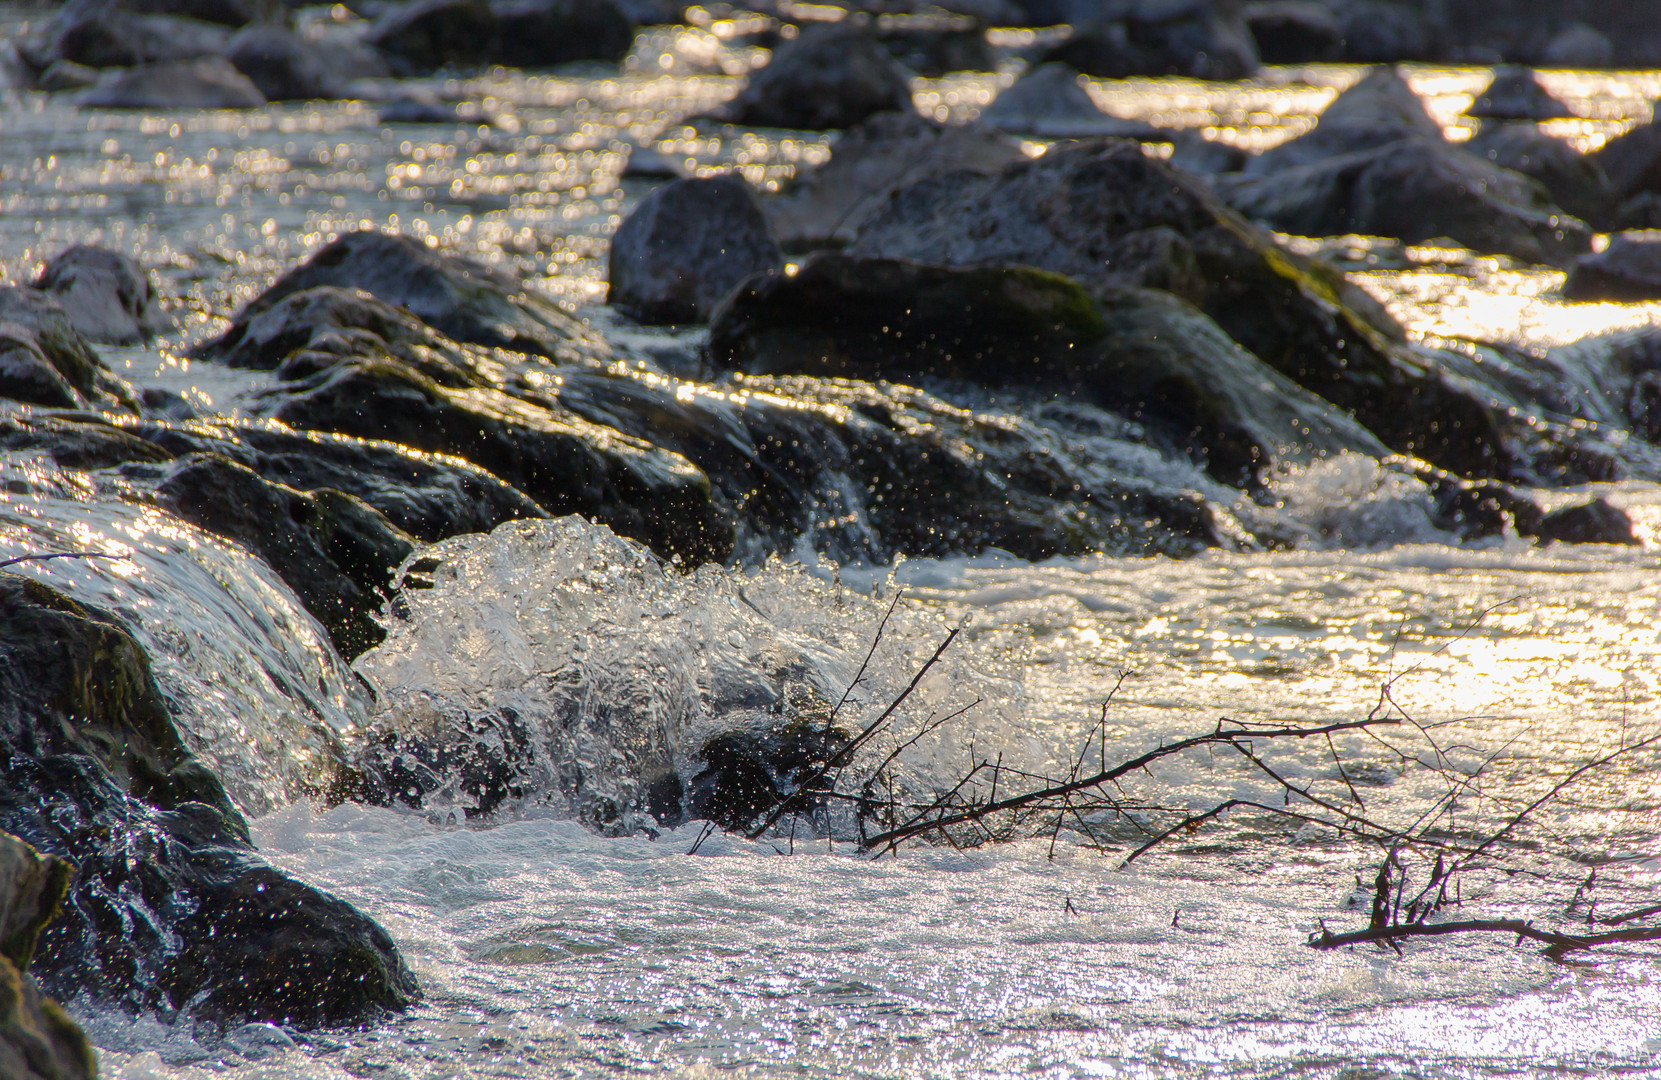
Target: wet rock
(1578,46)
(64,75)
(1108,215)
(1628,269)
(1384,33)
(417,106)
(934,46)
(1051,102)
(1193,153)
(336,552)
(45,361)
(1595,522)
(1516,94)
(96,772)
(1376,112)
(336,323)
(1294,31)
(38,1040)
(1414,190)
(1641,212)
(283,65)
(542,33)
(225,12)
(686,246)
(1572,180)
(108,37)
(197,84)
(458,297)
(826,205)
(647,164)
(1202,39)
(831,76)
(16,73)
(108,296)
(79,443)
(1632,160)
(1143,354)
(419,36)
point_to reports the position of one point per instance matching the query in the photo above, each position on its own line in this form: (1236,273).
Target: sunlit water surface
(548,951)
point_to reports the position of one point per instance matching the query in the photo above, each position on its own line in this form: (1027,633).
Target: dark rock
(225,12)
(45,361)
(461,298)
(283,65)
(1384,33)
(65,75)
(542,33)
(1193,153)
(1294,31)
(197,84)
(95,771)
(825,206)
(934,46)
(1108,215)
(1143,354)
(1573,180)
(1051,103)
(108,37)
(1595,522)
(1414,190)
(108,296)
(1577,46)
(1515,94)
(1379,110)
(1639,213)
(645,163)
(336,552)
(16,73)
(1628,269)
(77,443)
(1632,160)
(686,246)
(38,1040)
(417,106)
(1202,39)
(830,76)
(423,35)
(338,323)
(747,773)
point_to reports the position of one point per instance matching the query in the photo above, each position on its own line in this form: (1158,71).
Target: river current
(546,950)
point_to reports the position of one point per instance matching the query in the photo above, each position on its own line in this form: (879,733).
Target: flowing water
(547,949)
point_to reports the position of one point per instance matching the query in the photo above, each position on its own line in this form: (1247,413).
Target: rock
(1516,94)
(38,1040)
(1414,190)
(96,771)
(417,106)
(936,45)
(64,75)
(1578,46)
(542,33)
(1379,110)
(1108,215)
(197,84)
(645,163)
(1294,31)
(1202,39)
(458,297)
(1051,102)
(419,36)
(825,206)
(686,246)
(1632,160)
(108,296)
(1641,212)
(225,12)
(45,361)
(1595,522)
(1572,180)
(16,73)
(1193,153)
(831,76)
(283,65)
(336,552)
(108,37)
(91,442)
(1145,355)
(1384,33)
(1628,269)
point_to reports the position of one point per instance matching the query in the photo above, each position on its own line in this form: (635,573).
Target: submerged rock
(108,297)
(210,83)
(829,77)
(1628,269)
(686,246)
(38,1040)
(458,297)
(826,205)
(1202,39)
(1051,102)
(1516,94)
(96,772)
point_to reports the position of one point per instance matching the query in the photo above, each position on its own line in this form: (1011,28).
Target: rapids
(548,950)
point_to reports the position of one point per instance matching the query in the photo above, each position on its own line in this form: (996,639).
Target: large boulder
(285,66)
(44,360)
(686,246)
(461,298)
(1377,111)
(1051,102)
(1202,39)
(1146,355)
(1632,160)
(831,76)
(542,33)
(108,296)
(96,771)
(1573,180)
(210,83)
(108,37)
(419,36)
(1628,269)
(38,1040)
(825,206)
